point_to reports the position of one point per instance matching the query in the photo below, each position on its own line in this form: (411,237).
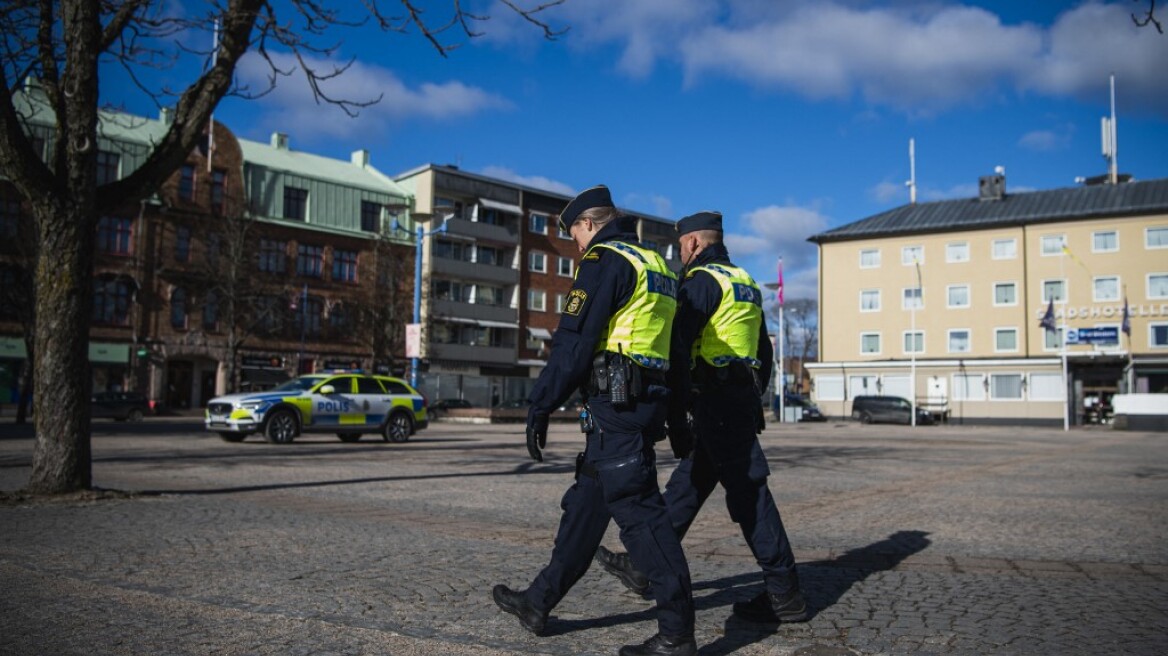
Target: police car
(348,404)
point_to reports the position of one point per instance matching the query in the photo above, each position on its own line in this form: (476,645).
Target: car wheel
(228,436)
(398,428)
(280,428)
(349,437)
(134,416)
(865,418)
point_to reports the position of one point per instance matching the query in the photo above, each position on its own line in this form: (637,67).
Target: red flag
(780,281)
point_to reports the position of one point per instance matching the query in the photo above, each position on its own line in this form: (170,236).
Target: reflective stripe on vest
(642,327)
(732,331)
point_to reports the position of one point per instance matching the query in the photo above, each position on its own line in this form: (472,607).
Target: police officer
(721,349)
(613,343)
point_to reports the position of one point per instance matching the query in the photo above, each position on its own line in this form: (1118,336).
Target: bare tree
(62,44)
(1149,17)
(800,331)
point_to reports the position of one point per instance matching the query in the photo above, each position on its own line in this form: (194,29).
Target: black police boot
(660,645)
(767,608)
(516,603)
(621,566)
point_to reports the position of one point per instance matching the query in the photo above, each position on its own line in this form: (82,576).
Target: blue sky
(788,117)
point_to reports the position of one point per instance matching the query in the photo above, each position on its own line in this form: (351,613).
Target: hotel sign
(1093,335)
(1106,311)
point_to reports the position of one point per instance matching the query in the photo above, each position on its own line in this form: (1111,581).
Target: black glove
(537,427)
(681,437)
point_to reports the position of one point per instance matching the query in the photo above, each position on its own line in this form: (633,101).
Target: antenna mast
(1110,140)
(912,168)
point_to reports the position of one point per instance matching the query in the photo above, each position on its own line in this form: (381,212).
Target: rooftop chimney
(280,140)
(360,157)
(166,115)
(991,187)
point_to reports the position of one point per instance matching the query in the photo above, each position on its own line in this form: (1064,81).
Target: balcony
(467,354)
(464,270)
(508,234)
(480,312)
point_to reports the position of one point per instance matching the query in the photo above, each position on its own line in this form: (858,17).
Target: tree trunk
(64,308)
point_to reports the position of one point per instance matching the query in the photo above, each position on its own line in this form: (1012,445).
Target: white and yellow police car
(348,404)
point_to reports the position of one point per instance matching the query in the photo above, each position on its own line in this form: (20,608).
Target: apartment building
(496,269)
(251,263)
(943,301)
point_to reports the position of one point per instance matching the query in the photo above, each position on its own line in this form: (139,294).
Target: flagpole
(913,337)
(782,373)
(1063,337)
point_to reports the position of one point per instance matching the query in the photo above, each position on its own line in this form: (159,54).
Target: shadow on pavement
(824,582)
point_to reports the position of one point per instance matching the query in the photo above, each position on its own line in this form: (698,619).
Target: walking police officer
(612,342)
(720,340)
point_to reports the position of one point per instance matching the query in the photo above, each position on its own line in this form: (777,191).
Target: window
(1158,335)
(536,300)
(1004,387)
(369,386)
(114,235)
(1046,387)
(870,300)
(667,251)
(1104,241)
(912,299)
(1005,249)
(218,185)
(452,290)
(309,260)
(559,304)
(345,266)
(1005,293)
(1052,244)
(211,311)
(107,167)
(487,255)
(452,250)
(1053,290)
(829,387)
(308,318)
(295,203)
(870,343)
(1156,237)
(869,258)
(958,296)
(914,342)
(537,261)
(186,182)
(178,309)
(1052,339)
(957,251)
(1158,285)
(910,255)
(537,223)
(273,256)
(959,341)
(9,214)
(182,244)
(1005,340)
(1106,288)
(111,301)
(370,216)
(968,387)
(338,319)
(565,266)
(562,234)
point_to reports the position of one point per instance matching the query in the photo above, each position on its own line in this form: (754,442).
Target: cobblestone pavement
(938,540)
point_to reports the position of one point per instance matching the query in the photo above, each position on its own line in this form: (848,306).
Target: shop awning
(501,207)
(483,322)
(539,333)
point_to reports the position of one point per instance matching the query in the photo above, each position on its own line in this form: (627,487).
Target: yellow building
(943,301)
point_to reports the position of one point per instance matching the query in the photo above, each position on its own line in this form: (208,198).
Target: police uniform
(720,339)
(619,310)
(721,349)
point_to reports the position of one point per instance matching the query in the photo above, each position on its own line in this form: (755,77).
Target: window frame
(949,334)
(1148,237)
(532,294)
(560,266)
(310,260)
(295,198)
(1013,286)
(345,266)
(1148,285)
(870,251)
(532,220)
(531,262)
(949,289)
(1095,280)
(1152,328)
(906,250)
(864,336)
(878,300)
(964,245)
(1062,297)
(998,331)
(1042,242)
(1012,241)
(1095,246)
(904,296)
(918,336)
(1019,376)
(186,182)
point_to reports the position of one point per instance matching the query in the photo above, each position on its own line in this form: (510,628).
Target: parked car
(120,406)
(439,408)
(887,409)
(810,410)
(348,404)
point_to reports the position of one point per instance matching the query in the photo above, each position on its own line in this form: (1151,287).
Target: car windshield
(299,384)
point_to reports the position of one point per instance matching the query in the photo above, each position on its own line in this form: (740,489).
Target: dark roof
(1072,204)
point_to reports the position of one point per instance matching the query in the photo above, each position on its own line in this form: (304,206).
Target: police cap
(597,196)
(707,220)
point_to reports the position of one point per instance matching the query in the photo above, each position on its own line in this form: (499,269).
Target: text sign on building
(1093,336)
(413,340)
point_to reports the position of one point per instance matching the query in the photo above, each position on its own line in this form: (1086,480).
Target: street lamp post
(419,238)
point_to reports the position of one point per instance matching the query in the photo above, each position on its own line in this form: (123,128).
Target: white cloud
(1045,140)
(884,192)
(916,57)
(291,107)
(763,235)
(537,181)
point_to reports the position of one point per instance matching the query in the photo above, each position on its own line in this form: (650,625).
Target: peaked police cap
(597,196)
(707,220)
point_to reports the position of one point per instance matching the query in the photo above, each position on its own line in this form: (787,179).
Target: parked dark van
(887,409)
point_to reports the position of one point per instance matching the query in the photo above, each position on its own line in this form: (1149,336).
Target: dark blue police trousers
(728,452)
(622,487)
